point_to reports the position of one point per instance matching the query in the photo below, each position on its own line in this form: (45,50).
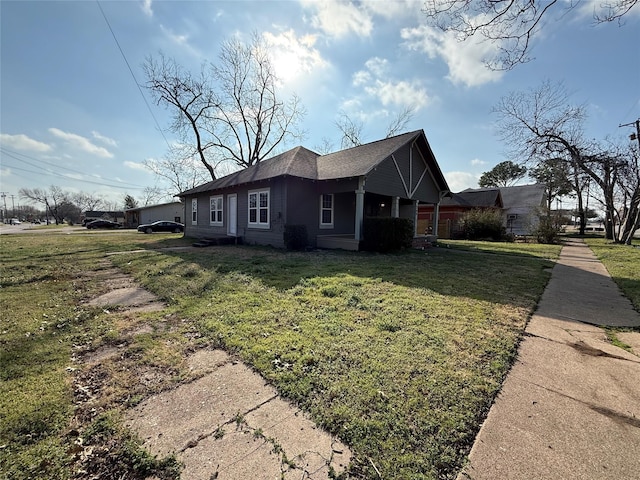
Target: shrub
(295,237)
(386,234)
(483,224)
(548,229)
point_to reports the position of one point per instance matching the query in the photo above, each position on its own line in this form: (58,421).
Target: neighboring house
(89,216)
(453,207)
(521,206)
(329,194)
(173,211)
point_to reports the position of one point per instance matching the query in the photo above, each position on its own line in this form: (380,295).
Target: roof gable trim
(410,192)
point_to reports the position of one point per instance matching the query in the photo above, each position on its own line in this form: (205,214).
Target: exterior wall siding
(251,235)
(385,179)
(162,212)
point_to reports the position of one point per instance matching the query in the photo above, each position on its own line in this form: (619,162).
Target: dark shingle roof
(303,163)
(485,197)
(360,160)
(523,195)
(297,162)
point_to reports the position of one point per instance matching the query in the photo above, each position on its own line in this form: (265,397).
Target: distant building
(173,211)
(520,205)
(91,215)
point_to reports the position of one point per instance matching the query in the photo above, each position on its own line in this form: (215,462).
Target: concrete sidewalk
(570,406)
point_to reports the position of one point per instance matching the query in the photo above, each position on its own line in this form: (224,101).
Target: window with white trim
(215,210)
(326,210)
(194,211)
(259,209)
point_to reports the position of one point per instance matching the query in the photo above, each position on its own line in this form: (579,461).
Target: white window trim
(327,225)
(221,209)
(257,223)
(194,209)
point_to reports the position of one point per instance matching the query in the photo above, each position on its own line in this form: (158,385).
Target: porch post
(359,209)
(395,207)
(416,207)
(436,215)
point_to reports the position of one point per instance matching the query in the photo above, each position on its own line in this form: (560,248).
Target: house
(173,211)
(452,209)
(329,194)
(523,205)
(520,205)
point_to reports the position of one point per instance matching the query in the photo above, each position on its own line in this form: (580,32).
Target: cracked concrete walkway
(229,424)
(570,406)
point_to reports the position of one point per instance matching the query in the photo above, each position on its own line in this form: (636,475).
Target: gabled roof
(471,198)
(297,162)
(523,195)
(303,163)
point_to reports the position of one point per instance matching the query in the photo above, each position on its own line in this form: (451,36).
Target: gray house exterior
(329,194)
(173,211)
(523,205)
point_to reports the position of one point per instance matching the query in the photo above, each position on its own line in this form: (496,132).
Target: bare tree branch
(510,24)
(232,111)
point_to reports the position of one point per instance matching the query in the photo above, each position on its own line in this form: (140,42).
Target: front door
(232,224)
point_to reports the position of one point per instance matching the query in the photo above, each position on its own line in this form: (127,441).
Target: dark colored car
(161,226)
(103,224)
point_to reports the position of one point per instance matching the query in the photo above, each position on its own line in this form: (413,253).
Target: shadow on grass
(506,278)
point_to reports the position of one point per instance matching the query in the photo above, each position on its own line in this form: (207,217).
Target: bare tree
(510,24)
(399,123)
(542,123)
(231,111)
(86,201)
(179,168)
(325,146)
(152,195)
(51,199)
(351,129)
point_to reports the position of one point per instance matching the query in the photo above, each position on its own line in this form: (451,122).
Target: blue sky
(72,115)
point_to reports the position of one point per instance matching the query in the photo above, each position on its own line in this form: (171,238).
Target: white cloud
(376,82)
(459,181)
(394,9)
(464,59)
(294,56)
(81,143)
(106,140)
(22,142)
(146,8)
(135,166)
(399,94)
(476,162)
(338,19)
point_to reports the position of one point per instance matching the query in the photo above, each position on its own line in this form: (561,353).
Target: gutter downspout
(359,208)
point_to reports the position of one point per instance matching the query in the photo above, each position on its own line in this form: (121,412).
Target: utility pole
(633,136)
(4,212)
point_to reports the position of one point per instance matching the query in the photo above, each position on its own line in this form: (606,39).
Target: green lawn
(399,355)
(623,264)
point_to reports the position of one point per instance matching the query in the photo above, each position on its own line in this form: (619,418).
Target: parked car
(161,226)
(103,224)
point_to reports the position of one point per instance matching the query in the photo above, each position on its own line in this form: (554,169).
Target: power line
(13,154)
(57,174)
(132,74)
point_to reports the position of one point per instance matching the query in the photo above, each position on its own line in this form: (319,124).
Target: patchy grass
(623,264)
(41,295)
(399,355)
